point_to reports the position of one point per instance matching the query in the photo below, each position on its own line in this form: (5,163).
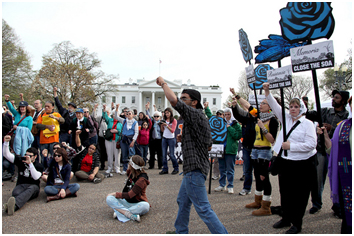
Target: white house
(136,94)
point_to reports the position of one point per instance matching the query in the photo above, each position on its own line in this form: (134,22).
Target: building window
(103,99)
(204,100)
(147,99)
(214,101)
(159,100)
(114,99)
(123,99)
(133,99)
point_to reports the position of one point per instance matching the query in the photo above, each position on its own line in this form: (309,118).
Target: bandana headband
(135,166)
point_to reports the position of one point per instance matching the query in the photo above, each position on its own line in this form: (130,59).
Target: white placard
(280,78)
(314,56)
(250,74)
(217,151)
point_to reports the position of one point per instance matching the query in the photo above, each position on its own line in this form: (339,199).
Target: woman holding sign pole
(266,130)
(297,166)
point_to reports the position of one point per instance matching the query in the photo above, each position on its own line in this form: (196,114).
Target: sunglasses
(85,111)
(156,116)
(56,148)
(57,155)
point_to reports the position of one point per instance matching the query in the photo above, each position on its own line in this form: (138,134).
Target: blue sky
(195,40)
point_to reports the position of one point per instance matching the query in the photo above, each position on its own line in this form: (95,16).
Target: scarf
(266,116)
(78,122)
(129,123)
(303,109)
(229,122)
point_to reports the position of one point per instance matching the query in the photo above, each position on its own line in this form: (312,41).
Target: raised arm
(170,95)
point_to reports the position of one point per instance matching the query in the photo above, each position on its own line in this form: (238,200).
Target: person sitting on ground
(69,150)
(29,174)
(88,162)
(132,202)
(59,177)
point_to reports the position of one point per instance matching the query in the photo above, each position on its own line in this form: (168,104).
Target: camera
(163,121)
(23,158)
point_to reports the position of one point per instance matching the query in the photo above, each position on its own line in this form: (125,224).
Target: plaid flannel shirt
(196,138)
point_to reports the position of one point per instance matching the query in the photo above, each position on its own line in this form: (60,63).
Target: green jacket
(234,133)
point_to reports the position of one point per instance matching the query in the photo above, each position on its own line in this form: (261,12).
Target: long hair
(140,162)
(171,112)
(64,154)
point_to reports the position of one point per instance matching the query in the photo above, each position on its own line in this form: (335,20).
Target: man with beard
(330,118)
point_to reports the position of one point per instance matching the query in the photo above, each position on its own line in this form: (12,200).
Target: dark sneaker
(281,224)
(314,210)
(163,172)
(242,178)
(174,172)
(97,180)
(293,230)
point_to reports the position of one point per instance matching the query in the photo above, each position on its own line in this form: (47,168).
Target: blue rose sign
(260,74)
(218,129)
(302,21)
(245,45)
(274,48)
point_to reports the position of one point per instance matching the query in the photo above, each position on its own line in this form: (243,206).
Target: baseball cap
(23,104)
(195,95)
(72,104)
(79,110)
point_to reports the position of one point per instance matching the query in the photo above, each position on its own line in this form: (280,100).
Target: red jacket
(144,134)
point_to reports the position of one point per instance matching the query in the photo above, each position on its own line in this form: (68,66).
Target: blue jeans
(170,143)
(52,190)
(317,189)
(93,140)
(227,170)
(139,208)
(248,168)
(127,152)
(193,191)
(144,151)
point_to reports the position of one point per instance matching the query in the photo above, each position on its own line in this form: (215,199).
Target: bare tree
(74,72)
(301,86)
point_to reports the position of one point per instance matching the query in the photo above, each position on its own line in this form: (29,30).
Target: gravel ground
(89,213)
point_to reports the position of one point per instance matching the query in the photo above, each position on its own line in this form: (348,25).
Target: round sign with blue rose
(260,74)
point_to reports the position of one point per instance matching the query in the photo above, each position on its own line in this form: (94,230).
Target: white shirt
(303,139)
(167,133)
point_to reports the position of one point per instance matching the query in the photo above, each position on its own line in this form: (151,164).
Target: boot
(264,210)
(69,194)
(256,203)
(53,198)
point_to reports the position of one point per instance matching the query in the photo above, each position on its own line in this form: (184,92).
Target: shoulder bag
(108,135)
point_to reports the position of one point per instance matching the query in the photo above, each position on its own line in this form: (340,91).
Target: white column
(140,103)
(152,101)
(166,104)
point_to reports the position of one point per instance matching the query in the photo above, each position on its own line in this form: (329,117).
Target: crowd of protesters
(56,146)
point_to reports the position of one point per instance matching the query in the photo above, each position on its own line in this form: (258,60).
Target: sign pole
(211,172)
(283,112)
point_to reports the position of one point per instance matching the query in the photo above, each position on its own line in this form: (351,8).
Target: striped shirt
(196,138)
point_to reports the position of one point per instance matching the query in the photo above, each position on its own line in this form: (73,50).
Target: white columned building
(136,94)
